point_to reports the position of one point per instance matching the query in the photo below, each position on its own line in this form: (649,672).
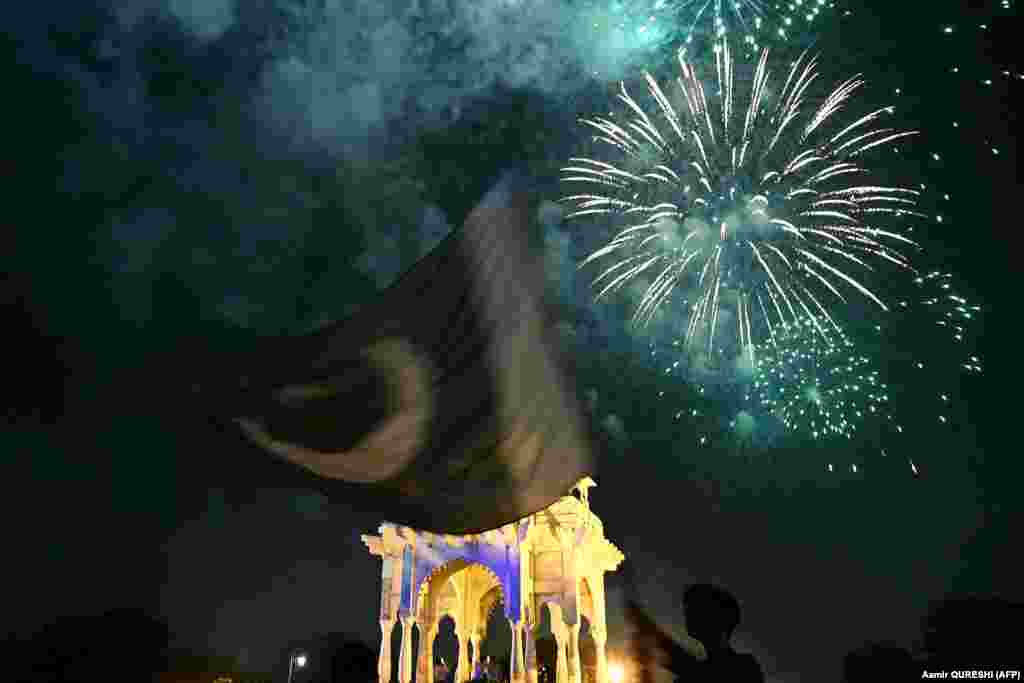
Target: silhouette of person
(712,615)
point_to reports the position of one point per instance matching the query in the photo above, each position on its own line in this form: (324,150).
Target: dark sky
(189,180)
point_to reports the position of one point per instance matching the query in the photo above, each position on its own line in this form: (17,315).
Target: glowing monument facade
(555,558)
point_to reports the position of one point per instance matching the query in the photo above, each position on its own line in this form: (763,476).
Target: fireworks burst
(815,385)
(882,381)
(752,211)
(749,21)
(615,34)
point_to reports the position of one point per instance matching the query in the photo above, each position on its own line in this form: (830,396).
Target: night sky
(187,176)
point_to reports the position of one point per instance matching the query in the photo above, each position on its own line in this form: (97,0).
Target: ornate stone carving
(543,558)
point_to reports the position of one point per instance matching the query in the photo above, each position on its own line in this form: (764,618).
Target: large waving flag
(444,404)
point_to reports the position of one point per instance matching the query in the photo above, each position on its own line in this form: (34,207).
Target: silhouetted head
(712,614)
(351,655)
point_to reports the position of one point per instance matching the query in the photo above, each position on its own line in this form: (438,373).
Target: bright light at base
(300,661)
(616,674)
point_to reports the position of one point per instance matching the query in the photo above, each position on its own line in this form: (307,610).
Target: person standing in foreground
(712,615)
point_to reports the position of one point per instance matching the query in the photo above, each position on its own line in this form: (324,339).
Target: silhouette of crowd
(960,632)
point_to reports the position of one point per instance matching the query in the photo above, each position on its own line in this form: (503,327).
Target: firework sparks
(751,24)
(822,387)
(817,386)
(748,21)
(939,304)
(931,378)
(746,200)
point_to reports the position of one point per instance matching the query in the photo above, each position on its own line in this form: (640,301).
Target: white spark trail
(745,192)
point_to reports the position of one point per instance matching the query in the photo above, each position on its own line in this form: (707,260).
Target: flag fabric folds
(445,404)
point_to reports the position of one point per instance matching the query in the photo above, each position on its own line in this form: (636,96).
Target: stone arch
(548,620)
(440,577)
(556,557)
(554,609)
(446,644)
(495,631)
(489,600)
(446,600)
(456,589)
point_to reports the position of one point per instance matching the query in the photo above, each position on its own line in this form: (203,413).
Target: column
(384,660)
(567,539)
(573,654)
(462,671)
(530,642)
(405,659)
(476,638)
(600,636)
(425,656)
(516,674)
(561,661)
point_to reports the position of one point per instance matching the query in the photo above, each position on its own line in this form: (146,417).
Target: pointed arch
(556,558)
(439,576)
(489,601)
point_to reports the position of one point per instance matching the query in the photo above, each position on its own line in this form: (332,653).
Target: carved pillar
(476,637)
(573,654)
(425,656)
(405,659)
(516,673)
(568,542)
(462,671)
(384,660)
(600,636)
(530,643)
